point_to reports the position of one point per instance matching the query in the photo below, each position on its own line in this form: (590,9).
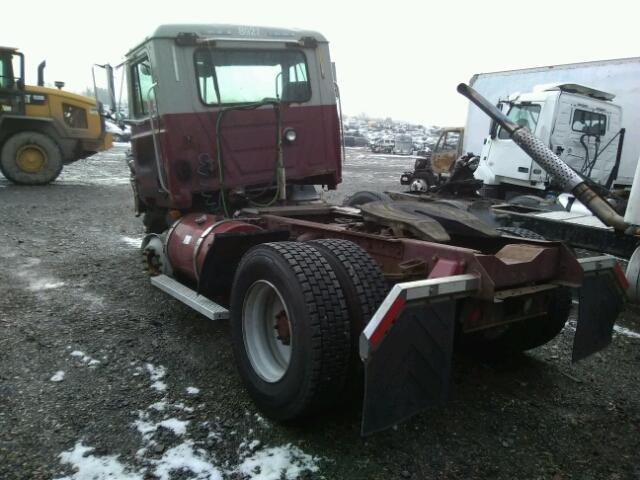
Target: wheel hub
(266,331)
(282,327)
(31,159)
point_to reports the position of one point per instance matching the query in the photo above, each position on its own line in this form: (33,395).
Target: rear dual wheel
(296,312)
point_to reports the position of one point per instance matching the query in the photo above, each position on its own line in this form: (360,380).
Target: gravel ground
(100,374)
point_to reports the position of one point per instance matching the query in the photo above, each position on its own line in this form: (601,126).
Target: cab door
(11,82)
(446,151)
(583,135)
(505,158)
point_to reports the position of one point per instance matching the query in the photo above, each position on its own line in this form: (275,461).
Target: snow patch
(193,390)
(90,467)
(131,241)
(179,427)
(58,376)
(147,427)
(185,457)
(42,284)
(158,406)
(159,386)
(84,358)
(626,331)
(277,462)
(157,374)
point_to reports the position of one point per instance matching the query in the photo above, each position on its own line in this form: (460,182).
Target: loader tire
(364,287)
(30,158)
(286,292)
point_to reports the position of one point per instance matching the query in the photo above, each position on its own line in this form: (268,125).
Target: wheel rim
(31,159)
(266,331)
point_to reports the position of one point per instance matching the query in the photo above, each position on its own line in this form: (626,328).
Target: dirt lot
(102,376)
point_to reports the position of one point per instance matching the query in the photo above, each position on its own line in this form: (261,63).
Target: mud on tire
(318,329)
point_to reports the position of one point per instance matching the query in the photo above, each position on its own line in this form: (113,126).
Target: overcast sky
(395,58)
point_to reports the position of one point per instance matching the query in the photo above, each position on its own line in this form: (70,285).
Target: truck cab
(579,123)
(211,126)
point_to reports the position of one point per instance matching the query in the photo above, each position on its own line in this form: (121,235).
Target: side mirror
(111,90)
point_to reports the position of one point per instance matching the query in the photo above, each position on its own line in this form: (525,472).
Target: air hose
(279,168)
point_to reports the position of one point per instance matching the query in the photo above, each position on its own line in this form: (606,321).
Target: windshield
(525,115)
(248,76)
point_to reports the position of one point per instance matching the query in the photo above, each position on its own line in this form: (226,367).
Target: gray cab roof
(230,32)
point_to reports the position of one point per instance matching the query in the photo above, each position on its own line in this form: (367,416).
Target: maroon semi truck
(234,129)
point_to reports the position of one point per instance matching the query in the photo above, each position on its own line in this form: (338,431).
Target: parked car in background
(403,145)
(383,145)
(120,134)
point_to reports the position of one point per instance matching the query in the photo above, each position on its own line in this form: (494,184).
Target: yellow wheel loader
(41,128)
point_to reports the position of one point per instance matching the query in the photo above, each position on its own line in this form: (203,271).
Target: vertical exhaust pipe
(569,180)
(41,73)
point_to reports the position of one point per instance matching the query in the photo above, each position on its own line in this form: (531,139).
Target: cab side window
(451,141)
(591,123)
(142,81)
(74,117)
(6,77)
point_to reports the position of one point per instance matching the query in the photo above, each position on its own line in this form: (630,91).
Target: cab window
(451,141)
(142,81)
(74,117)
(6,71)
(591,123)
(525,115)
(227,76)
(447,142)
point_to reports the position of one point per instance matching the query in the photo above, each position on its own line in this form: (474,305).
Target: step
(189,297)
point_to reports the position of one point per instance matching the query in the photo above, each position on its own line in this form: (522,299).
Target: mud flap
(601,299)
(407,348)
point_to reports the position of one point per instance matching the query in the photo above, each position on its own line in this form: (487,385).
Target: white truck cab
(579,123)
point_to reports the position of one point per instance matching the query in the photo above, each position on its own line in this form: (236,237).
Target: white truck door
(584,127)
(506,159)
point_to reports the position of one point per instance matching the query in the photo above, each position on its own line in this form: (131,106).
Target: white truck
(579,110)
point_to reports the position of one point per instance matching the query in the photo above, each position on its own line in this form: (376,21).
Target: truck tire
(533,332)
(527,334)
(31,158)
(364,287)
(364,196)
(290,329)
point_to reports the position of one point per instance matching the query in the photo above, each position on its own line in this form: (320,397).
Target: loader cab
(446,150)
(11,81)
(578,123)
(206,102)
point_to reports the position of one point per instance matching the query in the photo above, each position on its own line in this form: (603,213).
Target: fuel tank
(190,238)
